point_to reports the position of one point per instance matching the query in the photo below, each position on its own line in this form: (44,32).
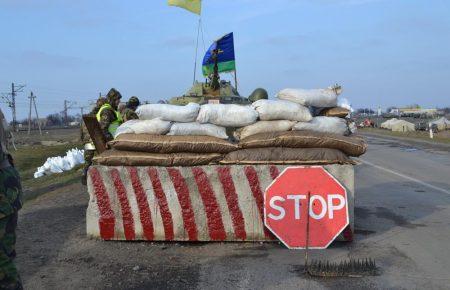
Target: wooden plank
(95,132)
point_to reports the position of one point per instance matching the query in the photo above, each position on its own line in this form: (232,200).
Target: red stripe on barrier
(215,223)
(232,202)
(253,181)
(142,202)
(274,172)
(107,221)
(127,216)
(179,183)
(160,196)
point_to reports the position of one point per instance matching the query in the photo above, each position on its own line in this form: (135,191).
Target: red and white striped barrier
(204,203)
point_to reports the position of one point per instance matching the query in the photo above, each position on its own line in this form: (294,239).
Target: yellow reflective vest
(116,123)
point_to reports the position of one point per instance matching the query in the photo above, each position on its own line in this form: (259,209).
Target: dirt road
(402,220)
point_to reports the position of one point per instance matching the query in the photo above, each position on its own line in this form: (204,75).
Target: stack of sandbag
(328,116)
(297,147)
(164,150)
(274,116)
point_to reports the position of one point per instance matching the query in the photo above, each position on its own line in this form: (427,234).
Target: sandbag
(264,127)
(128,158)
(281,110)
(279,155)
(227,115)
(335,112)
(197,129)
(168,112)
(324,125)
(171,144)
(323,98)
(155,127)
(352,146)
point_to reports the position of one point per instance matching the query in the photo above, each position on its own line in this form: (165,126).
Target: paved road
(402,221)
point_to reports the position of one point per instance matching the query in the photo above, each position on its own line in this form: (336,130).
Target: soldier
(10,204)
(89,148)
(129,113)
(108,115)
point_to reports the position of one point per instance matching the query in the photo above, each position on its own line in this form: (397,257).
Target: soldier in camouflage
(89,148)
(129,113)
(108,116)
(10,203)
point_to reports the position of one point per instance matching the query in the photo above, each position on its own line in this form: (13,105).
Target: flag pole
(235,80)
(196,48)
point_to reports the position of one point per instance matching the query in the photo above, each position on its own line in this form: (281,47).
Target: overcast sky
(383,52)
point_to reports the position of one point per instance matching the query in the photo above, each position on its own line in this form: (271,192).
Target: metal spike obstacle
(347,268)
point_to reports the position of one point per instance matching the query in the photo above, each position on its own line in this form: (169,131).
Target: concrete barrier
(204,203)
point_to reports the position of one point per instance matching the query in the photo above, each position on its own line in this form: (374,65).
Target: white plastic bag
(168,112)
(281,110)
(155,127)
(264,127)
(60,164)
(324,124)
(227,115)
(197,129)
(322,98)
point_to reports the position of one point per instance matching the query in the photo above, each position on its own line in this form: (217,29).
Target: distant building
(417,112)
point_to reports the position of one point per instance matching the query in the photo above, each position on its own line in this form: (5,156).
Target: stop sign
(285,207)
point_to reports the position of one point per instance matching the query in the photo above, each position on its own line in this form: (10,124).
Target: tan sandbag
(278,155)
(128,158)
(352,146)
(264,127)
(171,144)
(335,112)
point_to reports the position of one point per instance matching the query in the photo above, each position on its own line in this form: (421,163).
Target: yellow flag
(195,6)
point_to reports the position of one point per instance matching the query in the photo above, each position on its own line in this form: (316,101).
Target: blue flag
(225,56)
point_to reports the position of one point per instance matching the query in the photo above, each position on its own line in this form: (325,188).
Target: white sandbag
(155,127)
(168,112)
(281,110)
(264,127)
(324,124)
(197,129)
(227,115)
(322,98)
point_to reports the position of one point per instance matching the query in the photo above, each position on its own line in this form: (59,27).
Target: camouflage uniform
(108,116)
(129,113)
(10,203)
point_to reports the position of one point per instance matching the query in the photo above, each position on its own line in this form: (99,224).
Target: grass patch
(441,137)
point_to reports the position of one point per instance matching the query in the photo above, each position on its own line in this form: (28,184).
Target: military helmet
(258,94)
(133,102)
(113,95)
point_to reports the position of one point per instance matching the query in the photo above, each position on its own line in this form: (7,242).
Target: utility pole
(65,112)
(12,101)
(14,91)
(37,115)
(67,105)
(32,98)
(29,113)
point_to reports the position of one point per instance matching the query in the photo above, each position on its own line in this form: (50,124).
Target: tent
(442,124)
(403,126)
(388,123)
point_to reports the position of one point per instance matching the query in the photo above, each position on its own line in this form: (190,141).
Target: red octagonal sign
(285,206)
